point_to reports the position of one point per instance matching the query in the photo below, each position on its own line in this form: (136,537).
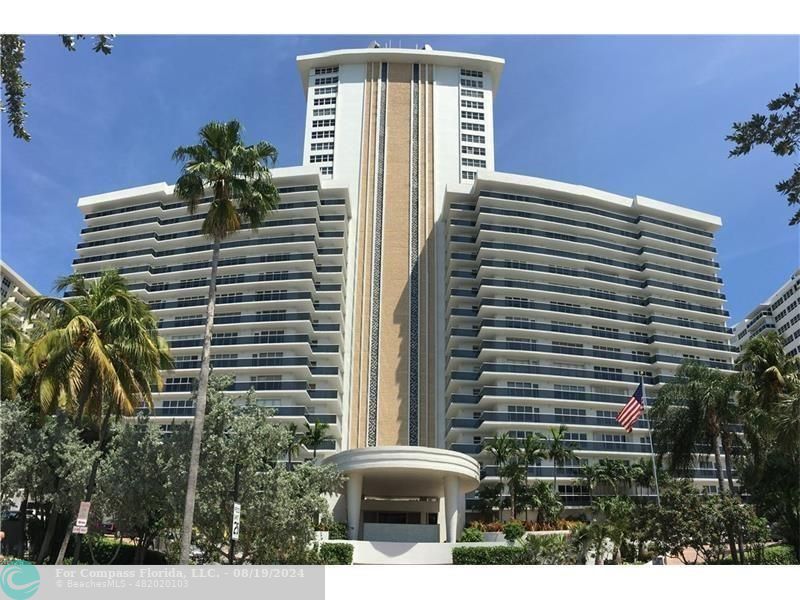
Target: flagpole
(650,436)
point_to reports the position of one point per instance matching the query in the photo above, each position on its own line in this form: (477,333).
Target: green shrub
(338,531)
(491,555)
(779,555)
(513,530)
(472,534)
(336,554)
(104,548)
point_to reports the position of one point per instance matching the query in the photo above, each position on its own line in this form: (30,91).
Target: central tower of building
(397,127)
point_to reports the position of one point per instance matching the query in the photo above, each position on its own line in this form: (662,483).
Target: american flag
(631,412)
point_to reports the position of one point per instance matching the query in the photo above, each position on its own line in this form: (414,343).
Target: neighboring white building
(413,298)
(15,290)
(780,312)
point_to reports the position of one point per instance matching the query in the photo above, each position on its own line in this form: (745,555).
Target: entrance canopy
(406,471)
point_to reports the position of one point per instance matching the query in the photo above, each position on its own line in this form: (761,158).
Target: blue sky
(630,115)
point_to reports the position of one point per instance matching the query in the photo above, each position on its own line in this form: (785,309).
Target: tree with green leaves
(279,507)
(316,435)
(559,450)
(695,413)
(238,178)
(44,458)
(692,416)
(12,55)
(99,360)
(502,447)
(590,477)
(292,445)
(780,130)
(12,346)
(769,392)
(141,481)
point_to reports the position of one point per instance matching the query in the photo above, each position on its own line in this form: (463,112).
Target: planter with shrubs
(336,554)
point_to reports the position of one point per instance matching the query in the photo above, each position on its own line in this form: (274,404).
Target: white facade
(544,302)
(15,290)
(279,321)
(780,312)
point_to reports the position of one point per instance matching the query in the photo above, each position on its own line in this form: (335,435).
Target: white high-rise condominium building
(418,301)
(780,312)
(16,291)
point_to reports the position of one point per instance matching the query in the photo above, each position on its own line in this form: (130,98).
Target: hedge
(491,555)
(779,555)
(336,554)
(105,548)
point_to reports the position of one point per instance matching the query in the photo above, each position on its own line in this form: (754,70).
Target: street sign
(83,515)
(80,529)
(237,511)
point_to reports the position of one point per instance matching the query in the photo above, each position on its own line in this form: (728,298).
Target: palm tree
(11,349)
(533,450)
(502,448)
(292,444)
(239,179)
(101,356)
(559,451)
(693,412)
(590,478)
(315,436)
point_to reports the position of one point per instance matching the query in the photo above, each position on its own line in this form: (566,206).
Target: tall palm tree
(315,436)
(240,182)
(559,450)
(695,411)
(293,444)
(692,413)
(11,348)
(101,356)
(502,447)
(590,478)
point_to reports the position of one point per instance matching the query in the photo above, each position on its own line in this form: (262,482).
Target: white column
(353,493)
(451,506)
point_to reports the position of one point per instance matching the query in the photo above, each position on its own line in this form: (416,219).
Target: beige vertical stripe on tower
(393,345)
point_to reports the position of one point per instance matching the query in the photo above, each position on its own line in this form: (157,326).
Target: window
(521,385)
(523,409)
(326,80)
(322,146)
(473,150)
(468,174)
(318,158)
(324,101)
(606,414)
(468,114)
(574,436)
(571,412)
(613,437)
(316,135)
(324,123)
(471,83)
(326,70)
(471,162)
(323,112)
(472,93)
(475,139)
(326,170)
(471,73)
(471,104)
(324,90)
(473,126)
